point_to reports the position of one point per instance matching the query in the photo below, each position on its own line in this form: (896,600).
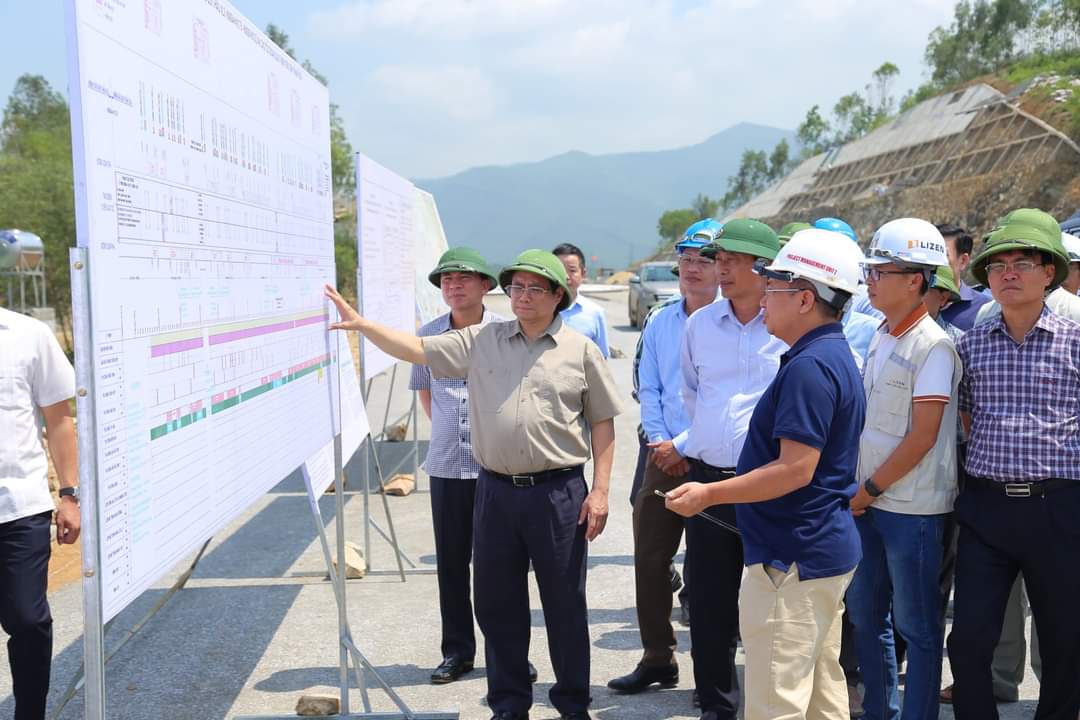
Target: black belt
(712,471)
(1039,488)
(532,479)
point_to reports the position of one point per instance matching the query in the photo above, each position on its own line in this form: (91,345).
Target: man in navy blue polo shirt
(792,488)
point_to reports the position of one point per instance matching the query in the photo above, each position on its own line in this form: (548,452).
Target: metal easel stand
(346,646)
(371,454)
(79,679)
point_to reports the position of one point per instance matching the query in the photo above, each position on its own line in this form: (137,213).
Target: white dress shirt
(34,373)
(726,367)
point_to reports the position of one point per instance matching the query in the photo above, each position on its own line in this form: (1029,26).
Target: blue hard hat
(699,234)
(836,225)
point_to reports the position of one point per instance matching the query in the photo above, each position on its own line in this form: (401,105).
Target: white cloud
(462,93)
(513,80)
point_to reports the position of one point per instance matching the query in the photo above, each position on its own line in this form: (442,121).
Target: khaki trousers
(791,636)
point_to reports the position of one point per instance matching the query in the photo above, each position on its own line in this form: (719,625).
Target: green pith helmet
(462,259)
(542,263)
(790,229)
(750,237)
(1024,229)
(944,279)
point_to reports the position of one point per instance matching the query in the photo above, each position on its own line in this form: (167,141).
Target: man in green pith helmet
(1020,404)
(541,397)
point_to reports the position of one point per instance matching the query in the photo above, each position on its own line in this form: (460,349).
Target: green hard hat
(944,279)
(462,259)
(750,237)
(542,263)
(790,229)
(1024,229)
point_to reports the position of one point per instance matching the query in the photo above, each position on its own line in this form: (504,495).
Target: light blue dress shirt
(660,383)
(726,367)
(587,317)
(860,303)
(859,330)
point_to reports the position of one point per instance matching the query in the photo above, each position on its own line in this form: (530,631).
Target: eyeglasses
(876,273)
(699,260)
(533,291)
(1022,267)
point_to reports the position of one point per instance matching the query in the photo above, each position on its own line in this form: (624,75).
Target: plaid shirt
(450,452)
(1024,400)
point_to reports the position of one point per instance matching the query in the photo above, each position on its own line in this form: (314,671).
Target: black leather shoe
(451,669)
(576,716)
(532,673)
(642,677)
(710,715)
(507,715)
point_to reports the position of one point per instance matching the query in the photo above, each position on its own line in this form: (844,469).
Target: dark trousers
(714,559)
(24,610)
(639,469)
(657,532)
(1000,536)
(452,518)
(511,526)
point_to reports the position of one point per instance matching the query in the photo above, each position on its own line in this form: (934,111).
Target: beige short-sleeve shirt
(530,403)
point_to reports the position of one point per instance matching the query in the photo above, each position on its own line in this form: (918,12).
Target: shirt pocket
(892,410)
(559,398)
(16,401)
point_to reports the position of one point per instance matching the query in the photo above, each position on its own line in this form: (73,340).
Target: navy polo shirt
(962,312)
(816,399)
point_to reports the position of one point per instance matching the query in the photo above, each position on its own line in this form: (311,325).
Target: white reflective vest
(930,487)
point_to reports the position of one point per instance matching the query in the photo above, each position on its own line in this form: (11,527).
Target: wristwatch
(72,492)
(871,489)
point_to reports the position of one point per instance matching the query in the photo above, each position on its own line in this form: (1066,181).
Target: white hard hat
(908,241)
(1072,246)
(833,267)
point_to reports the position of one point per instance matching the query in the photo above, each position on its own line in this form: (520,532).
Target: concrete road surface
(257,625)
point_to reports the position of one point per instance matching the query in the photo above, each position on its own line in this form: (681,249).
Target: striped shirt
(1024,400)
(450,452)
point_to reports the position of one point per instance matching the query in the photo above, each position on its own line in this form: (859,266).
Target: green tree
(780,160)
(750,179)
(813,133)
(705,206)
(673,223)
(881,97)
(979,40)
(36,186)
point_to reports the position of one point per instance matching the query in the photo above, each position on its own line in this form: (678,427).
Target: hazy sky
(432,87)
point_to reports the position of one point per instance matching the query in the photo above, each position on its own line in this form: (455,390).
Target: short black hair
(960,236)
(564,249)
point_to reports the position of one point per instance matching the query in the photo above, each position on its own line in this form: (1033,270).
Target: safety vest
(929,488)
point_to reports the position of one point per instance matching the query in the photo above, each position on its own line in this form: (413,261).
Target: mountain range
(608,205)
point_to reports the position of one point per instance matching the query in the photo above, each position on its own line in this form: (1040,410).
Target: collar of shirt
(724,310)
(907,323)
(552,330)
(821,332)
(1047,322)
(442,323)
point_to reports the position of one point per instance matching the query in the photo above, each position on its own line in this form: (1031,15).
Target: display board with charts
(386,229)
(204,204)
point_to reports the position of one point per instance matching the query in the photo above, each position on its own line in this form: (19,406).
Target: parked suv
(654,283)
